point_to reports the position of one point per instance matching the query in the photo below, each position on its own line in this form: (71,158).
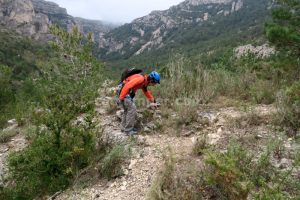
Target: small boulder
(119,114)
(123,188)
(132,163)
(188,133)
(12,122)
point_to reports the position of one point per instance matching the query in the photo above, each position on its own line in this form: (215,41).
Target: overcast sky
(114,10)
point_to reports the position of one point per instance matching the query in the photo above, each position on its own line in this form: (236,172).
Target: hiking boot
(131,132)
(133,129)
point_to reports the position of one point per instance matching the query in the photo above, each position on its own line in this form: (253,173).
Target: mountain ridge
(190,28)
(163,21)
(33,17)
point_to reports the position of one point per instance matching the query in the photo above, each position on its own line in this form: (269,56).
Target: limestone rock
(33,18)
(12,122)
(132,163)
(263,51)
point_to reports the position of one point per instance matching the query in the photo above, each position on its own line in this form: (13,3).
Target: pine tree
(284,31)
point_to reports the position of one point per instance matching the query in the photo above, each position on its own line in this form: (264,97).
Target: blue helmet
(155,77)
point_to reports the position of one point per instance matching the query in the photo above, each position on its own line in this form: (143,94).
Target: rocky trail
(219,126)
(140,170)
(150,147)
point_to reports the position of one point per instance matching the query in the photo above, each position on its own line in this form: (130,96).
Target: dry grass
(247,120)
(200,146)
(6,135)
(187,114)
(179,179)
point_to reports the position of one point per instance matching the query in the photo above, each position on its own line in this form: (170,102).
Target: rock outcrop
(33,18)
(98,28)
(263,51)
(19,15)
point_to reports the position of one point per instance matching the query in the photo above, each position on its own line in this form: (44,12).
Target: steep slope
(33,18)
(20,53)
(186,27)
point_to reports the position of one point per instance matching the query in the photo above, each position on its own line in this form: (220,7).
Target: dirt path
(140,171)
(149,151)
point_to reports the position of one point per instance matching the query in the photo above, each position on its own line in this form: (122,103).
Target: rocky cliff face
(33,18)
(98,28)
(56,14)
(19,15)
(161,28)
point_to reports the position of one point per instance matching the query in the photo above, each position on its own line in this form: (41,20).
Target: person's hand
(154,105)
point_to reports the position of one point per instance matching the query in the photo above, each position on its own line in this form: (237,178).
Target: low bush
(177,181)
(61,145)
(238,174)
(232,174)
(263,92)
(110,166)
(225,174)
(187,114)
(5,135)
(202,84)
(201,145)
(7,97)
(44,167)
(288,105)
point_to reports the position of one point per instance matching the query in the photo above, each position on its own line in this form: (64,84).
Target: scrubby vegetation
(61,145)
(19,59)
(246,79)
(235,174)
(238,174)
(241,169)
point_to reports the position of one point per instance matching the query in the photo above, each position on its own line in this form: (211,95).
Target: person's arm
(128,86)
(148,94)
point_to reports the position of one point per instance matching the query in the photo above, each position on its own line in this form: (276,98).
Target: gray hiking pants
(129,116)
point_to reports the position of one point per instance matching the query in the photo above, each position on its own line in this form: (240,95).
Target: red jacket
(135,82)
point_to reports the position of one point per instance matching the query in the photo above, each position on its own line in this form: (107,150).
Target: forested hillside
(189,29)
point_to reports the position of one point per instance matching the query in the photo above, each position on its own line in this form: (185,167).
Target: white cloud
(114,10)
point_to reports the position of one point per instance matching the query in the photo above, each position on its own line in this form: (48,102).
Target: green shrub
(201,145)
(110,167)
(238,174)
(7,97)
(226,174)
(244,79)
(263,92)
(160,188)
(176,181)
(288,105)
(187,114)
(5,135)
(62,145)
(45,167)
